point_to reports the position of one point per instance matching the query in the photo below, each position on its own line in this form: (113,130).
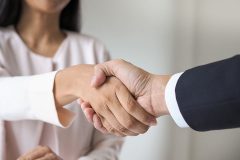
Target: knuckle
(135,134)
(144,129)
(107,126)
(107,99)
(118,133)
(51,155)
(145,118)
(46,148)
(110,129)
(97,108)
(130,104)
(122,129)
(97,66)
(100,68)
(117,84)
(104,110)
(101,108)
(129,124)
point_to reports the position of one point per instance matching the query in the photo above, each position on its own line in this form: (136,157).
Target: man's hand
(40,152)
(148,89)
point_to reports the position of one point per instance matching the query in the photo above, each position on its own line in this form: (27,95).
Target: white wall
(133,29)
(139,31)
(206,31)
(170,36)
(217,36)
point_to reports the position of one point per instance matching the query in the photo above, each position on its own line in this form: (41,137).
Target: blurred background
(168,36)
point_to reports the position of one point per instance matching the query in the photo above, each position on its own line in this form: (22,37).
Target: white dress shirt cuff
(171,101)
(42,102)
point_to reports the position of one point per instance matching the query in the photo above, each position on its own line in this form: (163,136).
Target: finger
(38,152)
(33,154)
(85,105)
(88,111)
(99,77)
(110,129)
(98,124)
(49,156)
(125,119)
(80,101)
(110,68)
(134,109)
(114,124)
(117,108)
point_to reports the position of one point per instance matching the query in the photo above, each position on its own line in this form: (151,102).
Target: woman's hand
(40,153)
(117,110)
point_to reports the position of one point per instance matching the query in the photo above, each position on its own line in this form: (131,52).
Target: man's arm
(206,97)
(148,89)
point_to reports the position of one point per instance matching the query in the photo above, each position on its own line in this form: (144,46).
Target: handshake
(116,96)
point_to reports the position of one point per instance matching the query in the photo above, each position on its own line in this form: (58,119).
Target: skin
(39,25)
(112,98)
(148,89)
(40,153)
(39,29)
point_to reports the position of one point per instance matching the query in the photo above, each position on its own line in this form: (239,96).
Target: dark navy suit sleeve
(209,96)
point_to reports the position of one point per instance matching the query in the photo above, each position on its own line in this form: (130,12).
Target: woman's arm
(34,97)
(30,97)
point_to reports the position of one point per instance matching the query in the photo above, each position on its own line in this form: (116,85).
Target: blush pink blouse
(28,115)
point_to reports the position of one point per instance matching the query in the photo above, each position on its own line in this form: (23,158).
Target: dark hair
(10,12)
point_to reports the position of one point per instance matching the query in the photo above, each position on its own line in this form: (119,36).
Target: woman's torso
(21,136)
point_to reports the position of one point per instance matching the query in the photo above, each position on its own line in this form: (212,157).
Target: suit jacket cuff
(171,101)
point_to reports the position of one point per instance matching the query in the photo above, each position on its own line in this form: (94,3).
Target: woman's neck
(39,29)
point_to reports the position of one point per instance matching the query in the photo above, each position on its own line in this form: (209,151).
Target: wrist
(63,88)
(159,83)
(81,78)
(72,83)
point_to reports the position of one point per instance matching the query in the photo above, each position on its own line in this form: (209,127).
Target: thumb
(101,71)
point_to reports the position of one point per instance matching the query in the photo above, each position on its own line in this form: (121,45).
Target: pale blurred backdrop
(168,36)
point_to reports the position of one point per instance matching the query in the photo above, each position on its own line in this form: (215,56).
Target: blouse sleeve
(30,97)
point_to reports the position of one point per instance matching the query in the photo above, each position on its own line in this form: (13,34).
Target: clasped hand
(119,113)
